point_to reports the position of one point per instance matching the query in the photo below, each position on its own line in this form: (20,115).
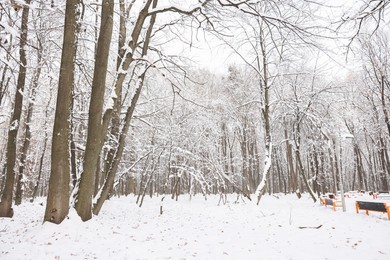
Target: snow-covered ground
(284,228)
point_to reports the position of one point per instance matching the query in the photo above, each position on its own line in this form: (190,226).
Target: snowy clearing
(284,228)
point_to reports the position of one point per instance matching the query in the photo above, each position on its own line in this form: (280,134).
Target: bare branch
(176,9)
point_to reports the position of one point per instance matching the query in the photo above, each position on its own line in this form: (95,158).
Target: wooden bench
(373,206)
(330,202)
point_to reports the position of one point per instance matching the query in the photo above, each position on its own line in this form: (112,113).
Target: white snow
(267,166)
(14,125)
(199,229)
(111,100)
(9,29)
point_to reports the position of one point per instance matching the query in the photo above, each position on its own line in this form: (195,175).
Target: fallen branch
(161,205)
(311,227)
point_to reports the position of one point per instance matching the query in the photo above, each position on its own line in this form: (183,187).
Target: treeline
(92,105)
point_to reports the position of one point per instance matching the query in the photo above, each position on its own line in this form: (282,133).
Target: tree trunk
(279,172)
(57,206)
(2,183)
(382,158)
(245,164)
(126,58)
(289,154)
(27,135)
(83,200)
(6,199)
(108,184)
(385,108)
(4,81)
(260,190)
(302,172)
(336,166)
(35,189)
(359,168)
(113,136)
(332,169)
(102,196)
(300,168)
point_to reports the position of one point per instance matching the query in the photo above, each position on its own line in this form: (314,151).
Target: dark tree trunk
(27,135)
(6,198)
(57,206)
(109,181)
(95,137)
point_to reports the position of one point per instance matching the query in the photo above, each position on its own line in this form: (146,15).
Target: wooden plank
(329,202)
(373,206)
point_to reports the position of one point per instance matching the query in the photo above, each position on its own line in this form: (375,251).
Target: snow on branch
(232,3)
(370,10)
(267,166)
(194,173)
(173,8)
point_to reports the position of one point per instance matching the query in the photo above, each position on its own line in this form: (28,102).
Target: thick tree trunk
(109,181)
(126,58)
(57,206)
(113,136)
(83,201)
(6,199)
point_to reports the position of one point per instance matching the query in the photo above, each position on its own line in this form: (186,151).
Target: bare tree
(109,181)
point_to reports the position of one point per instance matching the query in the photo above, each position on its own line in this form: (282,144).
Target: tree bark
(83,200)
(35,189)
(57,206)
(108,184)
(300,167)
(6,199)
(113,136)
(289,154)
(302,171)
(27,135)
(260,190)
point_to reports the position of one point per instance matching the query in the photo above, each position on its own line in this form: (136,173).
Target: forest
(118,97)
